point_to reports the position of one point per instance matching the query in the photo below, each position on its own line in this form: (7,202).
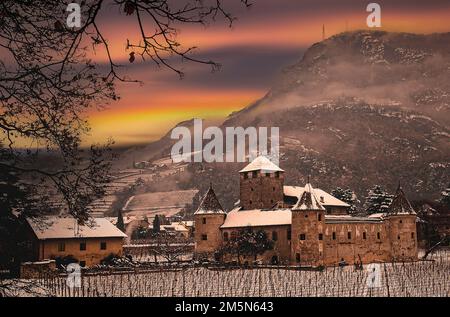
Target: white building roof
(53,227)
(174,227)
(261,163)
(328,200)
(257,218)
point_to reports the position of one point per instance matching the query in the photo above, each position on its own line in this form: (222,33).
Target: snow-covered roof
(257,218)
(53,227)
(328,200)
(210,204)
(174,227)
(308,200)
(352,219)
(261,163)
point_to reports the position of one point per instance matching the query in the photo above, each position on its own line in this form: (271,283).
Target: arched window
(225,236)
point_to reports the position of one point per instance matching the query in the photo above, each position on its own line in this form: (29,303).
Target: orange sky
(278,38)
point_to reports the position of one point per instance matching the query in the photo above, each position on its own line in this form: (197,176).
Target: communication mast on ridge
(323,32)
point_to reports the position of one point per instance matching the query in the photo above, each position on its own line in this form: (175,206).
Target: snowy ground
(423,278)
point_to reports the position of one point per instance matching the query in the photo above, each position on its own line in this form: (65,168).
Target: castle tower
(402,228)
(308,218)
(208,219)
(261,184)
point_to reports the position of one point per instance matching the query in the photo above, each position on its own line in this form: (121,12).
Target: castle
(307,225)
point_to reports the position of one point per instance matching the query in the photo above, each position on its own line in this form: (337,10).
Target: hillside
(360,108)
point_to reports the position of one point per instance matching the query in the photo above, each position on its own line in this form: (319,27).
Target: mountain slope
(359,109)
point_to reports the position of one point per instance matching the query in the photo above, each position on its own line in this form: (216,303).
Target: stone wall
(355,242)
(307,229)
(403,237)
(208,225)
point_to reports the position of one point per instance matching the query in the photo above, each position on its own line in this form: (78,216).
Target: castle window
(271,201)
(319,217)
(83,246)
(204,221)
(401,221)
(306,216)
(245,175)
(204,237)
(103,245)
(233,235)
(302,236)
(412,235)
(251,189)
(225,236)
(250,202)
(82,263)
(273,188)
(320,236)
(334,235)
(289,234)
(349,235)
(61,247)
(364,236)
(297,257)
(398,237)
(274,236)
(254,174)
(378,235)
(267,174)
(277,174)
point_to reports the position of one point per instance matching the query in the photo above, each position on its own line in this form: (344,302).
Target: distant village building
(176,229)
(59,237)
(307,225)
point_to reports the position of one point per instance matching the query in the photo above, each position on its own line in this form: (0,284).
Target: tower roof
(210,204)
(308,200)
(400,204)
(261,163)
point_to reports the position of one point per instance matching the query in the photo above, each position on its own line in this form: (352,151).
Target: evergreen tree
(378,200)
(156,225)
(248,243)
(120,223)
(346,195)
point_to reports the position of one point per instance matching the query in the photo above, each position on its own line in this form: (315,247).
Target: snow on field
(424,278)
(158,200)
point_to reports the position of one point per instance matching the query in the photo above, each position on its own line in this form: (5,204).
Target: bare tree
(47,83)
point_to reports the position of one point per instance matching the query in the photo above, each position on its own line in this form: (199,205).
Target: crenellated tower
(261,184)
